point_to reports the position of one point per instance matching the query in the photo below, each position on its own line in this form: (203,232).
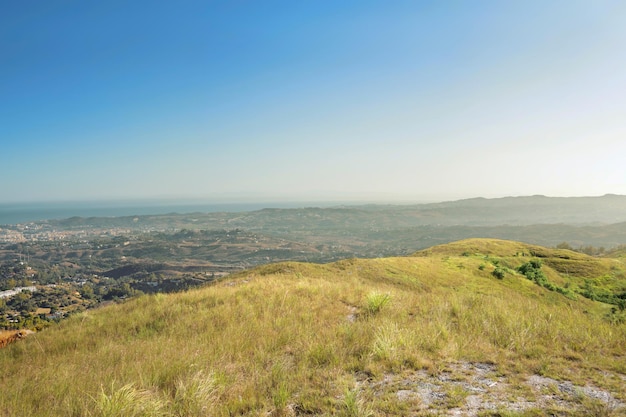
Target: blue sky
(319,100)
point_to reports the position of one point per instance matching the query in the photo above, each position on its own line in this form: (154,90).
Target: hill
(435,333)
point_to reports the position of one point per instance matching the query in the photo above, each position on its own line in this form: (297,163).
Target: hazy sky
(313,100)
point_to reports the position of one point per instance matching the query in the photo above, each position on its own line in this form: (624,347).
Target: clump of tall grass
(375,302)
(280,397)
(389,340)
(354,405)
(194,396)
(128,401)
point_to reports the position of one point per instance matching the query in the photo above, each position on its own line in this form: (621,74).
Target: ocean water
(17,213)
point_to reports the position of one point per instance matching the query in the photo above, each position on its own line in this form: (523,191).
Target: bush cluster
(532,271)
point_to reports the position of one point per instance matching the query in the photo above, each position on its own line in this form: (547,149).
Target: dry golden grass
(294,338)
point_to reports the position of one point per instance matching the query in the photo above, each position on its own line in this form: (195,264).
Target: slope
(431,334)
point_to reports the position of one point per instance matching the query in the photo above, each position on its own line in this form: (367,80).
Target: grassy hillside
(436,333)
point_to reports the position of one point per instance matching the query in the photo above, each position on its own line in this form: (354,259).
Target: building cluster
(33,232)
(11,236)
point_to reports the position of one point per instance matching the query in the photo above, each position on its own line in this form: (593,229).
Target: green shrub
(498,273)
(532,271)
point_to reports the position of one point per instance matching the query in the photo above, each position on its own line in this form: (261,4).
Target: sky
(311,100)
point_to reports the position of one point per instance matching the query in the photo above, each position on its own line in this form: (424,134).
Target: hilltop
(477,327)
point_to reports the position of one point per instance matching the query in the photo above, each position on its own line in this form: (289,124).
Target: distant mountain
(606,209)
(537,209)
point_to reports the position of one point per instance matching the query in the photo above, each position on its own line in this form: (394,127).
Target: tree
(11,283)
(87,292)
(22,302)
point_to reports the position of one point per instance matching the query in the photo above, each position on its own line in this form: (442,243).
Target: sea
(19,213)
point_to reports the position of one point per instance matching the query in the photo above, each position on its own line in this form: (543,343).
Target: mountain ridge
(478,211)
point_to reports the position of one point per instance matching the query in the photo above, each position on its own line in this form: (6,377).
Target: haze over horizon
(358,100)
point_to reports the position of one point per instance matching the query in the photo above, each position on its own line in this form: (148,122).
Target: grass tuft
(195,396)
(375,302)
(128,401)
(354,405)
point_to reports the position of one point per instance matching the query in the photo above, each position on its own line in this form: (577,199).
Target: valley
(79,263)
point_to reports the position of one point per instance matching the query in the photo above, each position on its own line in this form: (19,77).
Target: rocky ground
(478,389)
